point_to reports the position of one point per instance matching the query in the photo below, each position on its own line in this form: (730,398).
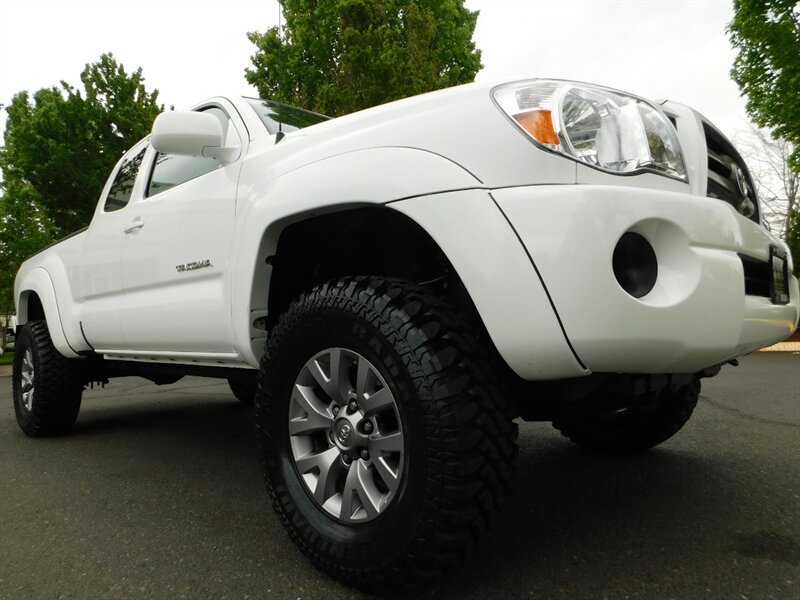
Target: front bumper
(697,315)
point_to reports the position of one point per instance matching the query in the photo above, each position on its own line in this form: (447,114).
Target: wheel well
(31,308)
(364,241)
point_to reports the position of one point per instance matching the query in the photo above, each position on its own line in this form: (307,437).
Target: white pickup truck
(396,286)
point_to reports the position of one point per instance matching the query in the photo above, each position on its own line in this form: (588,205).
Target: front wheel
(386,445)
(46,386)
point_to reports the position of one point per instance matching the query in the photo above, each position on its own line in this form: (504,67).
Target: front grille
(757,277)
(728,177)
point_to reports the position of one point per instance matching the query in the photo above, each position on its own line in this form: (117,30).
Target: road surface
(157,494)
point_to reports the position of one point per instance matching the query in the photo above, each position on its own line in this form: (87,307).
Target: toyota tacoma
(393,288)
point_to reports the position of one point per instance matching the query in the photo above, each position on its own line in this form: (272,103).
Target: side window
(120,193)
(170,170)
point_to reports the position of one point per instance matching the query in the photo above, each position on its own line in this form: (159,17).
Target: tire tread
(468,423)
(58,385)
(672,412)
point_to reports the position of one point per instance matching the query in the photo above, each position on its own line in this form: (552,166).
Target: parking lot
(157,494)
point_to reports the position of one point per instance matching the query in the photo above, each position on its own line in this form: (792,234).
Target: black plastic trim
(778,296)
(757,276)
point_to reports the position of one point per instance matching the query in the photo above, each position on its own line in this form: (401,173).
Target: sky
(192,49)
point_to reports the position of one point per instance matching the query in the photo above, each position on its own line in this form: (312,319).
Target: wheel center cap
(344,431)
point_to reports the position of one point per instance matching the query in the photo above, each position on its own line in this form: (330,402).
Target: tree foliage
(24,229)
(767,69)
(60,146)
(339,56)
(63,142)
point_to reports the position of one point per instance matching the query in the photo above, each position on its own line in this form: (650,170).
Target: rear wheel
(636,427)
(47,387)
(386,445)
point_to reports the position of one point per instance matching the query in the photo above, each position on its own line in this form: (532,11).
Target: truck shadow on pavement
(598,522)
(166,417)
(576,522)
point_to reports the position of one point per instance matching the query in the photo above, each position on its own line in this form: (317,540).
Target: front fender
(501,280)
(366,176)
(265,207)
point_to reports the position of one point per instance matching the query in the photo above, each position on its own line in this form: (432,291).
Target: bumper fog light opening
(635,264)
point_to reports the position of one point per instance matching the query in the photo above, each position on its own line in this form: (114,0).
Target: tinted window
(281,117)
(173,169)
(120,193)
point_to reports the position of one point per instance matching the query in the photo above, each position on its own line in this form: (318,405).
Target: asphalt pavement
(157,494)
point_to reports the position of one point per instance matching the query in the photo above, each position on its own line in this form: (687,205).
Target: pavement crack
(743,415)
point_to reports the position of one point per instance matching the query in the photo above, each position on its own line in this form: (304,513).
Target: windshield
(282,117)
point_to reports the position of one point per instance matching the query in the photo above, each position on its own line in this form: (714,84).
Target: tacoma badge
(192,266)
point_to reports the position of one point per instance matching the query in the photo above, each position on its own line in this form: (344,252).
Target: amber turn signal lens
(539,124)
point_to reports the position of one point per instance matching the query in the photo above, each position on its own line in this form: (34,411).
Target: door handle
(136,225)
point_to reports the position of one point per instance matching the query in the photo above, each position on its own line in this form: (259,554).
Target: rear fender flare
(37,281)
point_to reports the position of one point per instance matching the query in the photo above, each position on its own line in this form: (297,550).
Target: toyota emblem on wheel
(344,433)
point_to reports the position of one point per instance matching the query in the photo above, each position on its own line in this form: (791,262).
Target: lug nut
(364,454)
(353,406)
(367,427)
(346,458)
(335,410)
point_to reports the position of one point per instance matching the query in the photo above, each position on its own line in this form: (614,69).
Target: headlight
(603,128)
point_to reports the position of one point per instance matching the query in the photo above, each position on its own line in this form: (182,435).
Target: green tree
(24,229)
(339,56)
(63,142)
(767,69)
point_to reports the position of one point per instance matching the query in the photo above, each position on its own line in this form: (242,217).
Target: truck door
(96,278)
(175,254)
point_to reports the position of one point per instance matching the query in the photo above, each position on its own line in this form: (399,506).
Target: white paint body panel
(505,288)
(696,315)
(530,234)
(168,310)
